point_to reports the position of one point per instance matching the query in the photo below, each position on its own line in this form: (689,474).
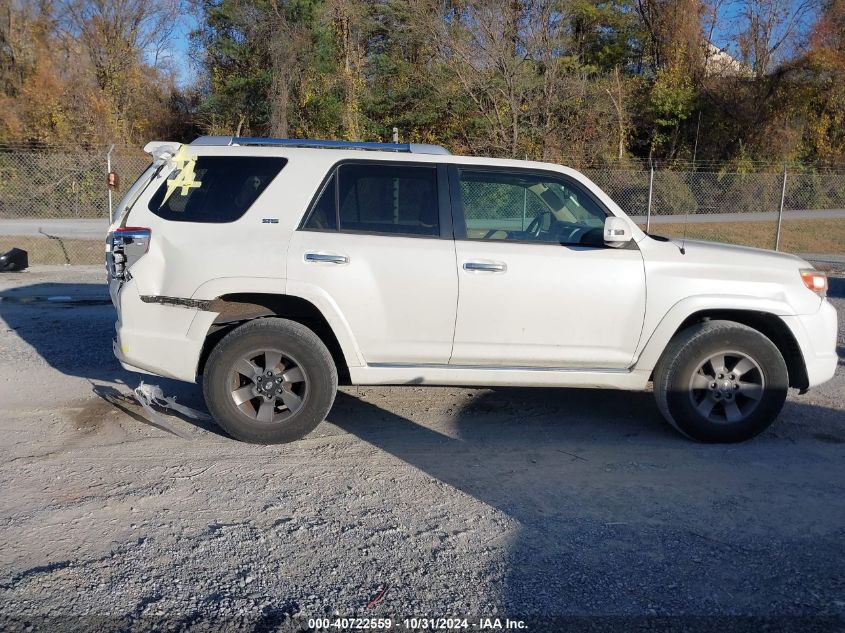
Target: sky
(730,20)
(180,45)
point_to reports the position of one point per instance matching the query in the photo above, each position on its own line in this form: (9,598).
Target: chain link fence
(698,193)
(792,211)
(54,203)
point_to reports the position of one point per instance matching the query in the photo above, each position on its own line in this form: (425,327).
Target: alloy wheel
(727,387)
(268,385)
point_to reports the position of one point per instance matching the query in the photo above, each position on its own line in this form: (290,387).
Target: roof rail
(413,148)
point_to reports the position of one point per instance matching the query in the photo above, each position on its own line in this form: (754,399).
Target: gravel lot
(570,509)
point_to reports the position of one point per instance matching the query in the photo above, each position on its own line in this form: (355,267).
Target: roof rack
(412,148)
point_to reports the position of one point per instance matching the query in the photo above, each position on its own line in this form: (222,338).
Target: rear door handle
(487,267)
(328,258)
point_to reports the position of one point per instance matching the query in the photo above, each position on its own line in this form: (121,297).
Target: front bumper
(816,335)
(158,339)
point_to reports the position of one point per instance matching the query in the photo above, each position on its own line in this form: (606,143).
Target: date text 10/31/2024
(417,624)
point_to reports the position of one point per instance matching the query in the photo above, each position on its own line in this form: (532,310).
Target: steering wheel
(536,224)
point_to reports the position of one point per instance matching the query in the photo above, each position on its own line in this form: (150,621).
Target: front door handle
(328,258)
(487,267)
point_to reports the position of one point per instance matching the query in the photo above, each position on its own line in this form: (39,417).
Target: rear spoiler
(162,151)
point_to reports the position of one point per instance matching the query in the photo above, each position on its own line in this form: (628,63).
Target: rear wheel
(721,381)
(270,381)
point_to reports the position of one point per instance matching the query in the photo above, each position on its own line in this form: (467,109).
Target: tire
(720,382)
(282,406)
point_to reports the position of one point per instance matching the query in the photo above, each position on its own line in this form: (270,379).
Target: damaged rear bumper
(115,346)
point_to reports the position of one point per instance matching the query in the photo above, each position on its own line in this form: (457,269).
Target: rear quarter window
(222,190)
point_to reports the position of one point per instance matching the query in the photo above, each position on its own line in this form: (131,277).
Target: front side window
(219,189)
(529,207)
(379,198)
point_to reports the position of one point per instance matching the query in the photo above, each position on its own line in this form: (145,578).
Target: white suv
(274,267)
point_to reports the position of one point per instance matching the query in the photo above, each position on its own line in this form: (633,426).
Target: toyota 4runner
(272,268)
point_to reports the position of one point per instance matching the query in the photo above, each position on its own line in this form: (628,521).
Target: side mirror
(617,232)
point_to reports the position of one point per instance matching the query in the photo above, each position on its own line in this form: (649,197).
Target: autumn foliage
(583,81)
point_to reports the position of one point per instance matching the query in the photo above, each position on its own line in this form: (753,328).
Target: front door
(537,285)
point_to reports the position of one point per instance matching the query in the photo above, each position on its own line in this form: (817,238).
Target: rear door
(378,241)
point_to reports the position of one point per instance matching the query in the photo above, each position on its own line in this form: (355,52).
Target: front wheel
(270,381)
(721,381)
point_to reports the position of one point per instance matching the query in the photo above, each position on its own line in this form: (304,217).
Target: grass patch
(797,236)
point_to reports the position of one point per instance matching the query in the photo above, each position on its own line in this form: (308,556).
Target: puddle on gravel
(93,415)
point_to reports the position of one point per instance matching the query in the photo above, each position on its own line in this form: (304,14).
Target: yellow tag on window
(185,176)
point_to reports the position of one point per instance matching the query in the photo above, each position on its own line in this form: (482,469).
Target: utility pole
(650,191)
(108,171)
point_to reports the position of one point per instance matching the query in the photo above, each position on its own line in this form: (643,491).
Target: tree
(347,20)
(815,98)
(407,87)
(670,102)
(124,41)
(673,34)
(515,71)
(602,32)
(254,53)
(767,31)
(81,72)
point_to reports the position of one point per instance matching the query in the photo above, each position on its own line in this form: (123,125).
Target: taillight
(128,245)
(815,280)
(134,235)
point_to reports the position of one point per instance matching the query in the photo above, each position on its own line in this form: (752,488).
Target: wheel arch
(234,309)
(768,324)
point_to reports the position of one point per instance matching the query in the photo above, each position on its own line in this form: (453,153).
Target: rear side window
(220,190)
(324,213)
(379,198)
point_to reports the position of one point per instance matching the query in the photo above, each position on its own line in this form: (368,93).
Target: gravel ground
(568,509)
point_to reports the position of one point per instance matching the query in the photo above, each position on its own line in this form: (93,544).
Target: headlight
(815,280)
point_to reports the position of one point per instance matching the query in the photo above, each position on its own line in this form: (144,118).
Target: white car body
(405,310)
